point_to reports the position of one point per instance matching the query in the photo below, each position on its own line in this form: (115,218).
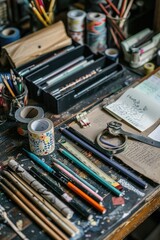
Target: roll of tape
(112,53)
(76,20)
(96,22)
(148,68)
(26,114)
(41,136)
(9,35)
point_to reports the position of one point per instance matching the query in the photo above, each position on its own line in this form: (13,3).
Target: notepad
(136,107)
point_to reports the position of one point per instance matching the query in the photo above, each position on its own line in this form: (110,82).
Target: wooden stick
(61,221)
(35,210)
(48,230)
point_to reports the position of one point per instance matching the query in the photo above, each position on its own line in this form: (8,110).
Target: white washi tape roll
(41,136)
(76,20)
(112,53)
(26,114)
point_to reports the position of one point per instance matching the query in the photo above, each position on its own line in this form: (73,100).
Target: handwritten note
(136,108)
(151,87)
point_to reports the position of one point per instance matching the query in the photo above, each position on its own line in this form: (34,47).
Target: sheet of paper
(155,135)
(151,87)
(136,108)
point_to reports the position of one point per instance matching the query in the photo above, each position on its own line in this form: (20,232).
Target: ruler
(89,164)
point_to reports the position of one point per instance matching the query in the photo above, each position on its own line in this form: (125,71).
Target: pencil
(50,10)
(90,172)
(33,209)
(45,14)
(38,15)
(103,157)
(123,7)
(75,174)
(35,200)
(11,92)
(28,211)
(113,6)
(79,184)
(59,219)
(58,176)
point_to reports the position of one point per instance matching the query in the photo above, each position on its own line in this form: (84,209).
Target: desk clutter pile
(68,174)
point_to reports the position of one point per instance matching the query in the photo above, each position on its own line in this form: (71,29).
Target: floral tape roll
(96,22)
(112,53)
(26,114)
(148,67)
(41,136)
(76,20)
(9,35)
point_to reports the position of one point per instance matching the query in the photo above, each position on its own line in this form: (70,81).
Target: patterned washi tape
(96,22)
(76,20)
(41,136)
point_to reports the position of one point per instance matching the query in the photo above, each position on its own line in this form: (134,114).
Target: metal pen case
(107,72)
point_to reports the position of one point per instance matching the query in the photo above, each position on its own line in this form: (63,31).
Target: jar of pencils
(42,14)
(14,96)
(117,31)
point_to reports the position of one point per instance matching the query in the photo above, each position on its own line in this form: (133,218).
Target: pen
(69,184)
(75,205)
(107,160)
(90,172)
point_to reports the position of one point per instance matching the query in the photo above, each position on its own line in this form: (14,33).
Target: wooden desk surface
(117,223)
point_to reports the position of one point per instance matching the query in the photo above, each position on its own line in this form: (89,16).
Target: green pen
(89,171)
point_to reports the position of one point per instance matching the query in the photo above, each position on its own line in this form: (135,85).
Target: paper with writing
(136,108)
(151,87)
(139,156)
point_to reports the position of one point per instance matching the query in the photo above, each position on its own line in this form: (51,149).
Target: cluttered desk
(79,135)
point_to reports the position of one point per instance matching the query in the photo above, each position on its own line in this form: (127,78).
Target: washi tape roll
(76,20)
(26,114)
(148,67)
(9,35)
(112,53)
(96,22)
(97,42)
(41,136)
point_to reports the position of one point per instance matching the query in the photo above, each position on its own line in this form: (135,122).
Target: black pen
(72,203)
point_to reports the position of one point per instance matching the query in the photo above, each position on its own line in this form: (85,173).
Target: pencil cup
(117,30)
(11,104)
